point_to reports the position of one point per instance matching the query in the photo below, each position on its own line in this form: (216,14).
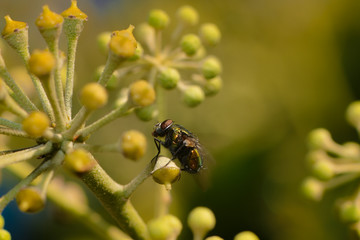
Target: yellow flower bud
(79,161)
(166,172)
(49,19)
(93,96)
(158,19)
(188,15)
(2,222)
(133,144)
(123,43)
(74,12)
(214,238)
(201,220)
(41,63)
(12,26)
(142,93)
(36,124)
(312,189)
(246,235)
(30,200)
(4,235)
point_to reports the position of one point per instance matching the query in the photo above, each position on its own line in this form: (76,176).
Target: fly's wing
(203,177)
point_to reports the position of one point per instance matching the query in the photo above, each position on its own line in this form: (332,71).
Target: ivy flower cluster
(333,165)
(140,70)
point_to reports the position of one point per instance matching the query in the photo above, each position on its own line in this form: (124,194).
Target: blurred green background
(289,67)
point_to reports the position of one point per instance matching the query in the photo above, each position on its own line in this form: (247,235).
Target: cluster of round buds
(182,63)
(4,234)
(333,164)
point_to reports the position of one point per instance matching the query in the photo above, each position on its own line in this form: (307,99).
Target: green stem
(15,133)
(135,182)
(69,86)
(112,63)
(77,123)
(54,101)
(18,95)
(55,161)
(110,194)
(13,107)
(10,124)
(114,147)
(25,154)
(114,114)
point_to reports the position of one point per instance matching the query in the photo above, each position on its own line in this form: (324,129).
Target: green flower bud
(349,212)
(201,220)
(133,144)
(4,235)
(169,78)
(323,170)
(213,86)
(188,15)
(113,81)
(211,67)
(190,44)
(146,113)
(30,200)
(166,172)
(246,235)
(93,96)
(144,33)
(164,228)
(2,222)
(193,96)
(353,114)
(214,238)
(158,19)
(312,189)
(36,124)
(319,138)
(210,34)
(142,93)
(79,161)
(103,40)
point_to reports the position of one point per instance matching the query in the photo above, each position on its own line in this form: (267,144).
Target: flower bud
(312,189)
(145,33)
(193,96)
(349,212)
(164,227)
(49,19)
(213,86)
(133,144)
(169,78)
(79,161)
(214,238)
(142,93)
(2,222)
(123,43)
(30,200)
(103,40)
(41,63)
(211,67)
(36,124)
(319,138)
(246,235)
(210,34)
(93,96)
(188,15)
(146,113)
(190,44)
(323,170)
(166,172)
(74,12)
(12,26)
(158,19)
(353,114)
(4,235)
(201,220)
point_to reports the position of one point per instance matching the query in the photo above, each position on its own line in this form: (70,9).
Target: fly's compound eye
(166,124)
